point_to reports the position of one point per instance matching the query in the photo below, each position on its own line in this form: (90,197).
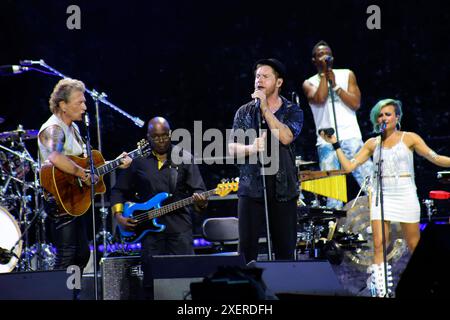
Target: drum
(9,235)
(357,222)
(11,165)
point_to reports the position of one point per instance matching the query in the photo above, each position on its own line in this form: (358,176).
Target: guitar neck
(176,205)
(114,164)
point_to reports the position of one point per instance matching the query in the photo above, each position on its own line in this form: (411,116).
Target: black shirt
(285,181)
(143,180)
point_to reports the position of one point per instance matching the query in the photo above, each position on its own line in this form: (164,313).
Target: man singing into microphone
(347,98)
(282,121)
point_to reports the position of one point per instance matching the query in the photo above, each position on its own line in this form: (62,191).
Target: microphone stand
(92,172)
(103,233)
(379,197)
(102,97)
(263,175)
(331,94)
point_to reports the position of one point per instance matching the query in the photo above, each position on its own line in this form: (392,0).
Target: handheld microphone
(329,61)
(295,99)
(383,127)
(9,70)
(328,131)
(86,119)
(31,62)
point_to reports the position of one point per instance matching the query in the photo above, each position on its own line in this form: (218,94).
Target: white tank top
(72,145)
(348,127)
(397,161)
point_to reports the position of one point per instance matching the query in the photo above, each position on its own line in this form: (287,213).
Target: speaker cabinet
(271,280)
(427,272)
(122,278)
(308,277)
(172,275)
(35,285)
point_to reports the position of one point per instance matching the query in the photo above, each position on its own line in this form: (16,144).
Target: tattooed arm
(52,138)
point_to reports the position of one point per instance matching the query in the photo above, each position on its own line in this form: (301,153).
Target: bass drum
(357,222)
(9,235)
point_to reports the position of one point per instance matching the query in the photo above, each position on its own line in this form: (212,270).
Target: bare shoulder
(52,136)
(411,138)
(307,85)
(309,89)
(371,143)
(351,76)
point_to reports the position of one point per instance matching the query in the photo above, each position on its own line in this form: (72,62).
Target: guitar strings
(144,216)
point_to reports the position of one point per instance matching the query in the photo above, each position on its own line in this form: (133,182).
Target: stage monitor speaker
(122,278)
(427,272)
(308,277)
(35,285)
(172,275)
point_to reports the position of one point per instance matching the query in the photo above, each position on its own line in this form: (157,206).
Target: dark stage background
(192,60)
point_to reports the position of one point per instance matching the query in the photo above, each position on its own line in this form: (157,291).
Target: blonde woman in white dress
(400,202)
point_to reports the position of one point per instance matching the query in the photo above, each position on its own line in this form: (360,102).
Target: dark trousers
(282,227)
(69,235)
(162,244)
(72,246)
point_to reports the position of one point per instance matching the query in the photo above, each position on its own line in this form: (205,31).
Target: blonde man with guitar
(60,144)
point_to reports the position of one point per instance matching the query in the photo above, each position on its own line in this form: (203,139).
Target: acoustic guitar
(71,194)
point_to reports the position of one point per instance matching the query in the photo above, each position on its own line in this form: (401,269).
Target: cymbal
(17,134)
(357,222)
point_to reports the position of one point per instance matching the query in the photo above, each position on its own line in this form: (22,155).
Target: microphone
(9,70)
(383,127)
(329,61)
(328,131)
(86,119)
(295,99)
(31,62)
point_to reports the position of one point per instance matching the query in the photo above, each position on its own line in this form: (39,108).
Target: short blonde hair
(62,91)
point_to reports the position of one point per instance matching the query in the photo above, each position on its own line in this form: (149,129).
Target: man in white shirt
(347,99)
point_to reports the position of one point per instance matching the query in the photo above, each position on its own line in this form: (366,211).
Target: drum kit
(336,235)
(21,206)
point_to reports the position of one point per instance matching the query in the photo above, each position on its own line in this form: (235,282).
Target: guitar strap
(80,141)
(173,171)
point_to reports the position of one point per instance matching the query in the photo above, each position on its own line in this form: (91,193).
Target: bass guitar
(146,213)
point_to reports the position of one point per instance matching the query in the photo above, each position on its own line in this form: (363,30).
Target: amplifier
(122,278)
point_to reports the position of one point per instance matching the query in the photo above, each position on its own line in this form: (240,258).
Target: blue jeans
(329,161)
